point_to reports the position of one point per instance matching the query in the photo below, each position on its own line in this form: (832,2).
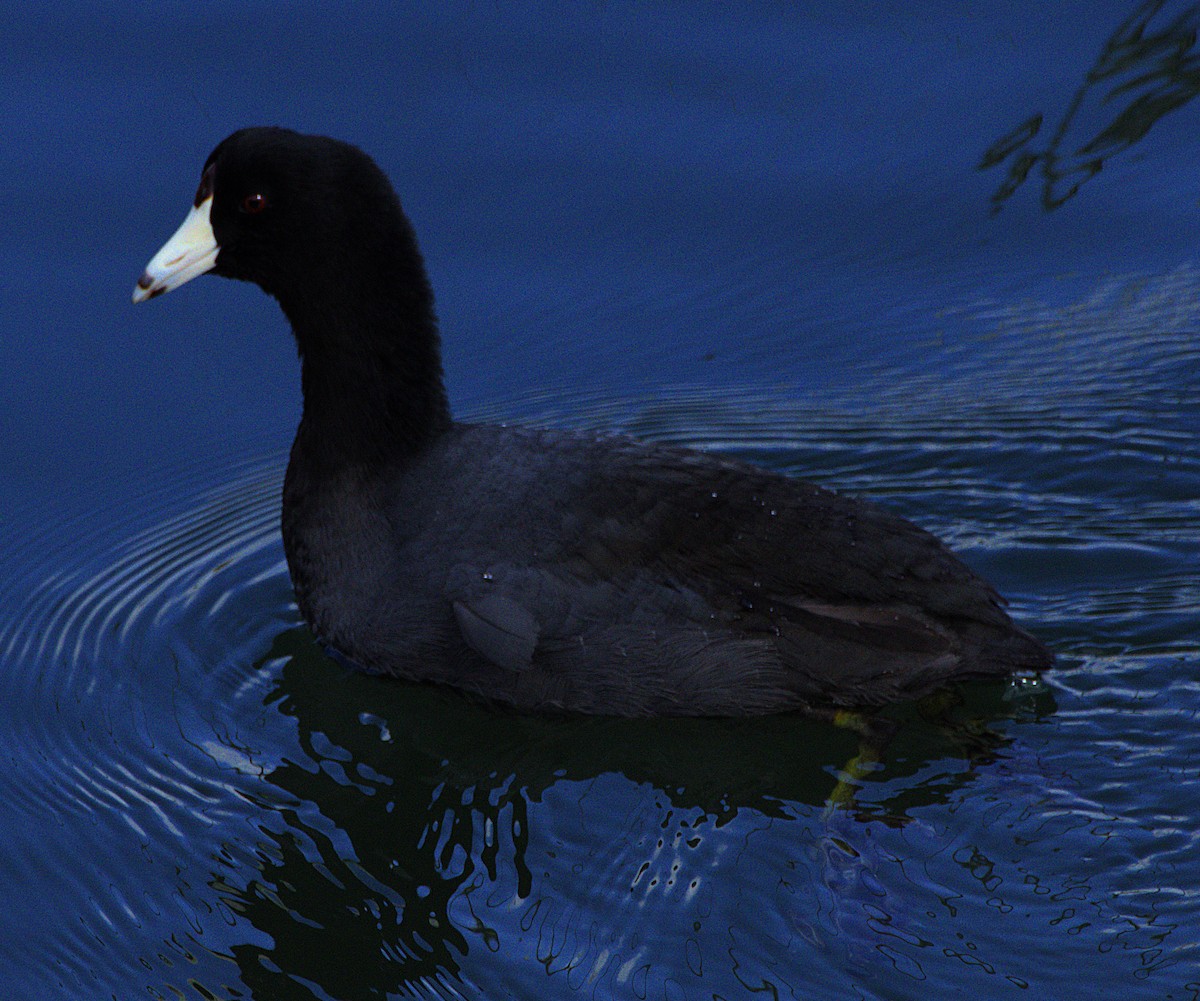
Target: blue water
(945,257)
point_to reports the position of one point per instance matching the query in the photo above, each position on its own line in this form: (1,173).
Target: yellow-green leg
(874,733)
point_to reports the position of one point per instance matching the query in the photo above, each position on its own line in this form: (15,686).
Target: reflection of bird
(549,569)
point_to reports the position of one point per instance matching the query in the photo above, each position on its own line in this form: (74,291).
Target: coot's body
(548,569)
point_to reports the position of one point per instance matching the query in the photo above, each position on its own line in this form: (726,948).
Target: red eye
(253,204)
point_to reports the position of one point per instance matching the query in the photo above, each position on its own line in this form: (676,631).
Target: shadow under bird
(550,569)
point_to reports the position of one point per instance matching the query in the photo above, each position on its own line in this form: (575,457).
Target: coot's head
(301,216)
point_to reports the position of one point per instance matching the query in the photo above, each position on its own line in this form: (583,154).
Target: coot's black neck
(371,369)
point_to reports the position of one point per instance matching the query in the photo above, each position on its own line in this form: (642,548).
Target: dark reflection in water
(1147,69)
(407,841)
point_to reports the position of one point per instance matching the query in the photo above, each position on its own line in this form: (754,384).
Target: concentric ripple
(122,663)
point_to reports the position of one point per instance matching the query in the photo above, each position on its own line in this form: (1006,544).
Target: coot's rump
(549,569)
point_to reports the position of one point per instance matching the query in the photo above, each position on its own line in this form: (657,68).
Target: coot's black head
(316,224)
(301,216)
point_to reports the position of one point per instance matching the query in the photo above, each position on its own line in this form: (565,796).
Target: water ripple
(117,659)
(245,801)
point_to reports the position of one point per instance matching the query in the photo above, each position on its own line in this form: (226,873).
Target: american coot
(550,569)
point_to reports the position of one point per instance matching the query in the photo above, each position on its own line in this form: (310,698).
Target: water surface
(942,258)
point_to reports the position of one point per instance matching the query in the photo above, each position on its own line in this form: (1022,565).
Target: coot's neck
(371,369)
